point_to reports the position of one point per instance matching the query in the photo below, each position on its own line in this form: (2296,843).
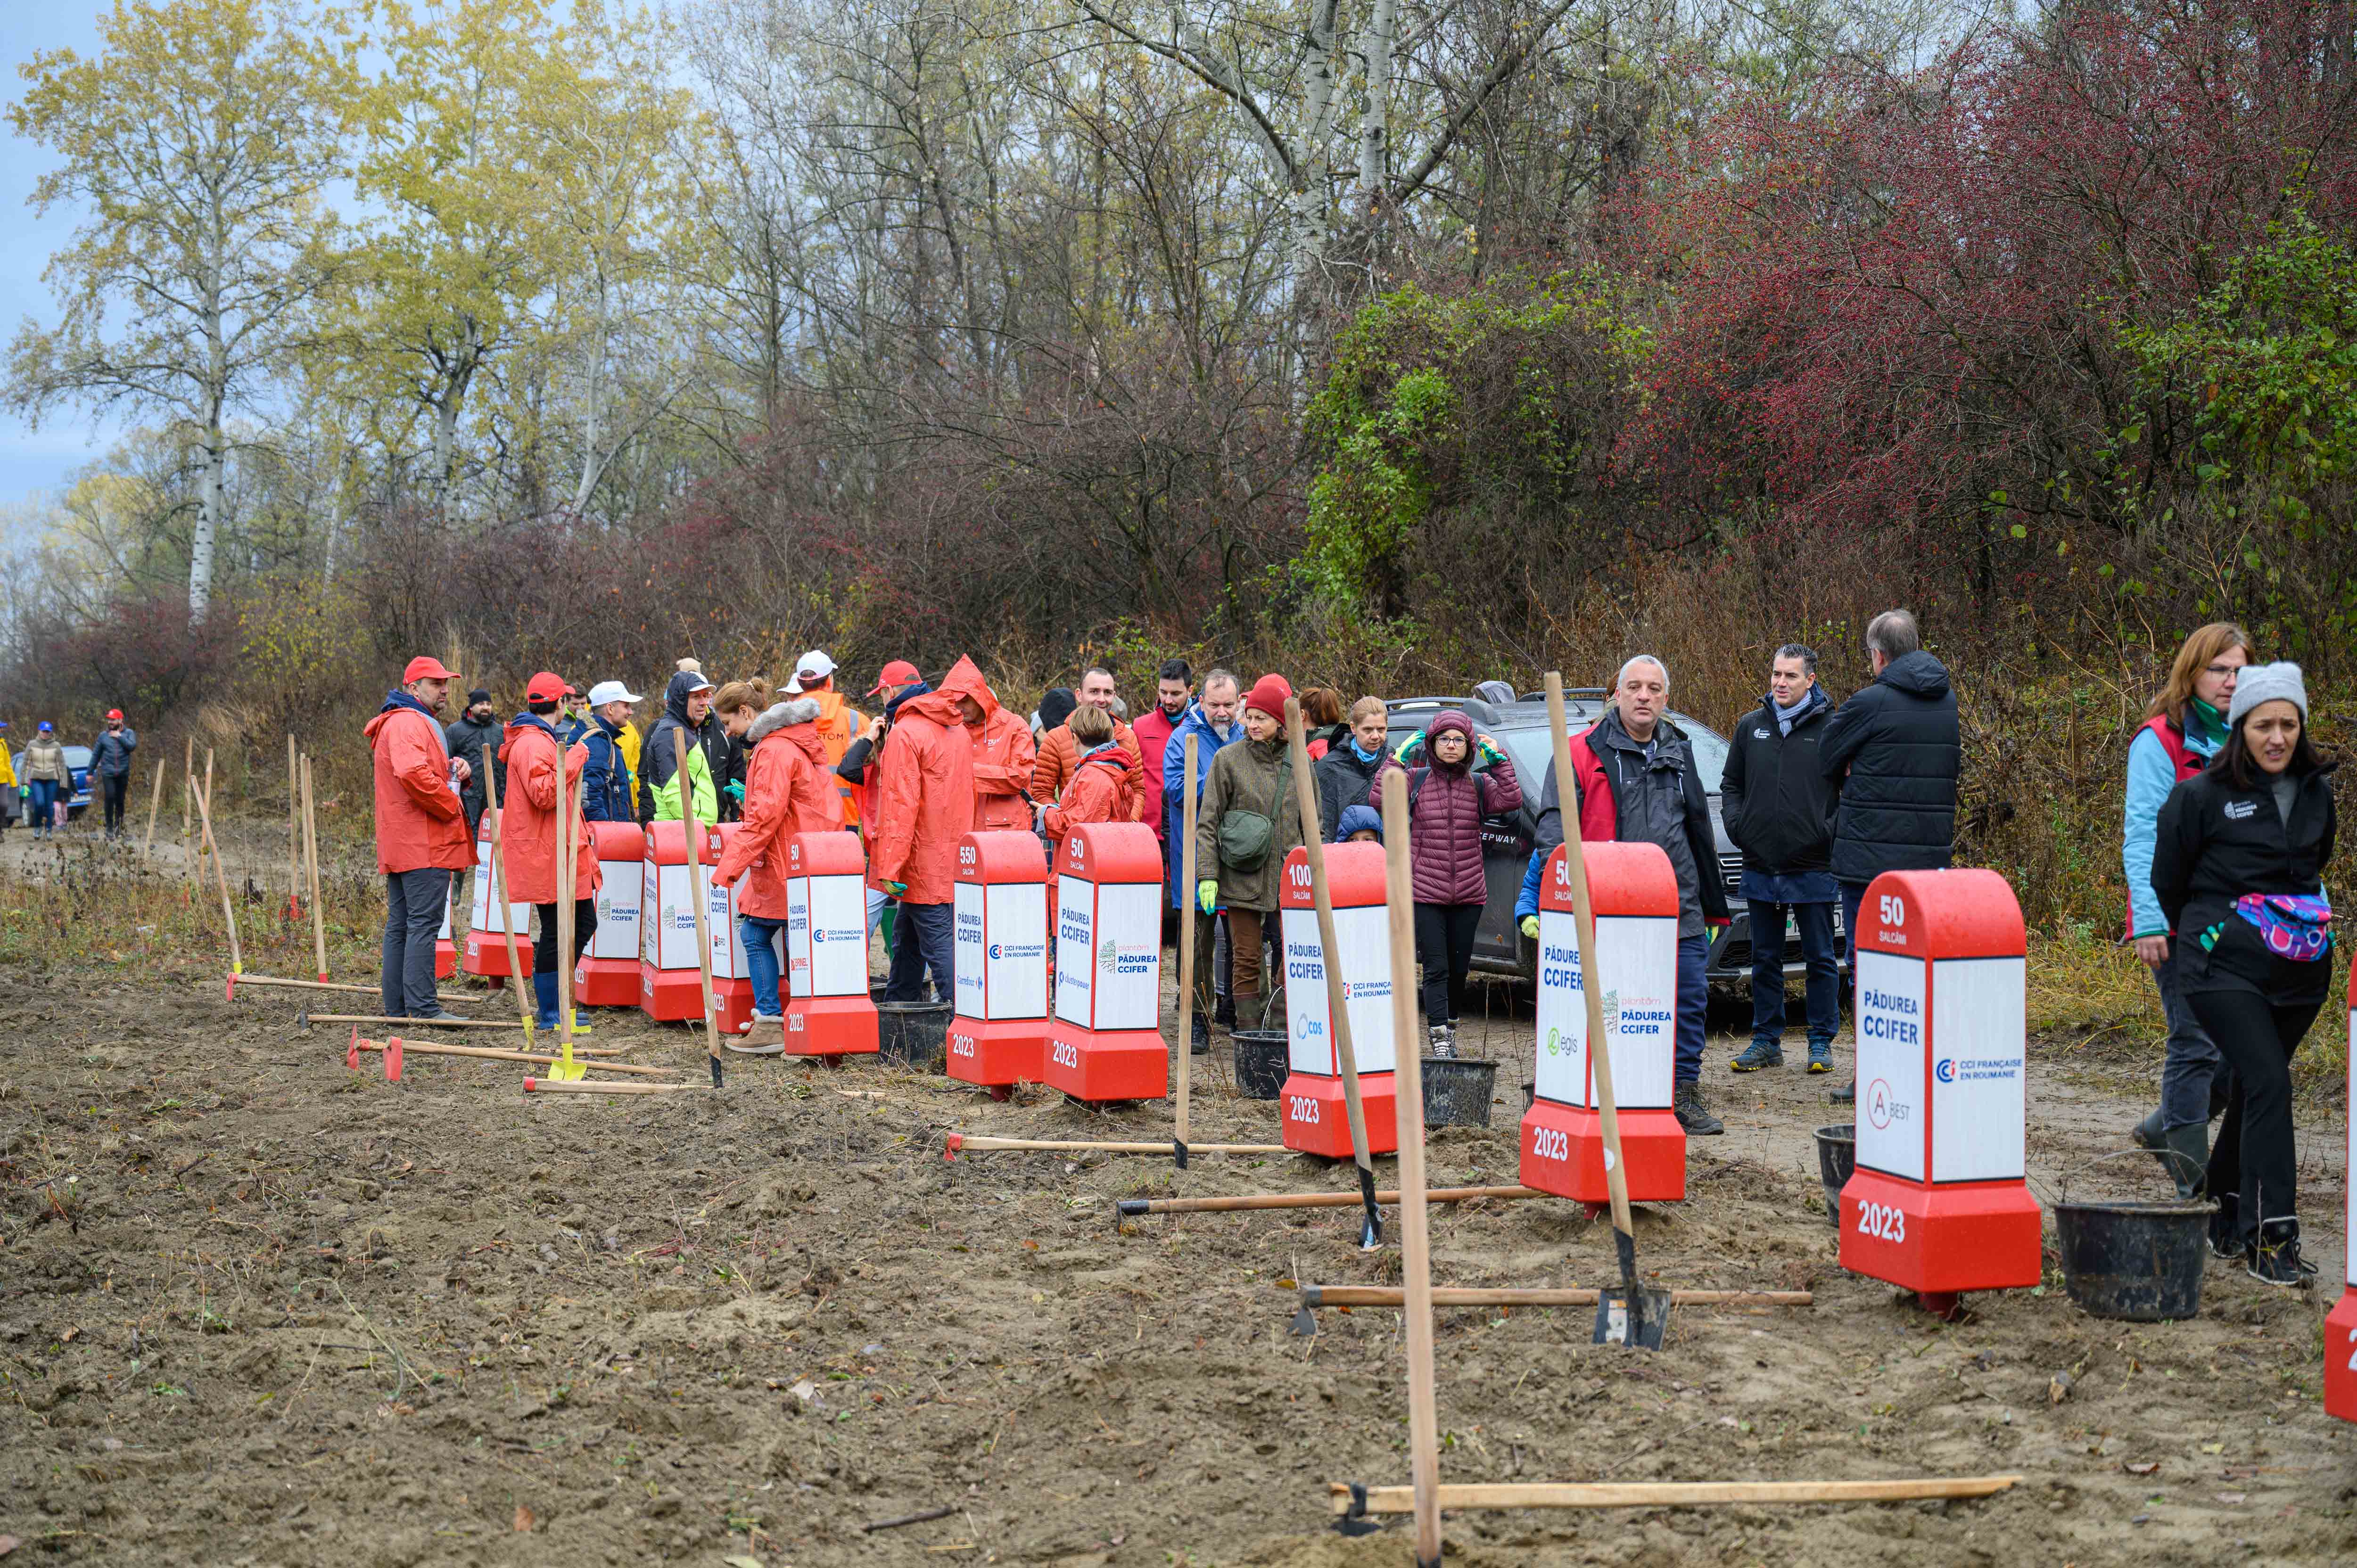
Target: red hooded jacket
(788,790)
(528,815)
(1002,756)
(1102,788)
(420,821)
(926,798)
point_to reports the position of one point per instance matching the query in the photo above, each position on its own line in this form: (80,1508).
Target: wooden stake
(294,833)
(553,1086)
(499,891)
(1337,1011)
(155,802)
(567,1070)
(1415,1253)
(1186,947)
(426,1048)
(311,872)
(1671,1494)
(696,894)
(189,774)
(220,870)
(974,1144)
(1130,1208)
(1483,1295)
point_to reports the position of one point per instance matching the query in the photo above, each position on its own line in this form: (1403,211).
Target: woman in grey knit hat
(2238,866)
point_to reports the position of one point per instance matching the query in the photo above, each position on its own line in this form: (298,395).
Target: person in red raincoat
(789,789)
(926,805)
(1102,788)
(535,757)
(421,832)
(1004,752)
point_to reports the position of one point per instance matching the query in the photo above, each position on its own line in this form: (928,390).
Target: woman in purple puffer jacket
(1447,801)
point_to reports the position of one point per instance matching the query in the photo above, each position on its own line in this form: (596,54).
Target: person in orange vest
(537,757)
(421,832)
(788,790)
(838,722)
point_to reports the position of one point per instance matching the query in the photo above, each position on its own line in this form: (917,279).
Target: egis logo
(1554,1042)
(1946,1070)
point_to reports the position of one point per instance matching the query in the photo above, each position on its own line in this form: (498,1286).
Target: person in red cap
(421,832)
(110,758)
(926,805)
(896,677)
(535,754)
(1250,821)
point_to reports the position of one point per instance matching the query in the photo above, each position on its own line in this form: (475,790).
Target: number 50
(1894,909)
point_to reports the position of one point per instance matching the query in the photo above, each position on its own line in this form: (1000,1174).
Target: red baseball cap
(112,715)
(900,673)
(425,667)
(544,688)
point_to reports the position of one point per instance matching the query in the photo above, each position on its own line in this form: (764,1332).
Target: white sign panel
(1978,1108)
(1640,976)
(797,942)
(1128,956)
(481,914)
(617,910)
(666,919)
(838,935)
(1891,1023)
(1017,955)
(720,914)
(967,913)
(1076,914)
(1365,941)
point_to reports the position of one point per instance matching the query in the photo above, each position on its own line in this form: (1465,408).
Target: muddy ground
(254,1308)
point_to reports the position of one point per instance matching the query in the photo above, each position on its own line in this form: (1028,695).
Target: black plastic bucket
(1836,1159)
(1260,1065)
(1456,1091)
(2139,1262)
(916,1032)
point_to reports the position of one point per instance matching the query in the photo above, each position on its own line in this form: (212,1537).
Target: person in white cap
(605,781)
(838,721)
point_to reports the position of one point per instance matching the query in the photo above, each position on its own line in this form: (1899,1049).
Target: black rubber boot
(2187,1156)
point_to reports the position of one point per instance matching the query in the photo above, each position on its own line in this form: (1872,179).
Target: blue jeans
(2192,1063)
(1694,1001)
(41,803)
(413,917)
(1853,895)
(1816,925)
(923,938)
(758,937)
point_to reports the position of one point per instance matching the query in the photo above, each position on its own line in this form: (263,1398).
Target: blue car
(77,760)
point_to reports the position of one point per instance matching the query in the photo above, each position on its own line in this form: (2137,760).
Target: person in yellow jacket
(838,721)
(7,779)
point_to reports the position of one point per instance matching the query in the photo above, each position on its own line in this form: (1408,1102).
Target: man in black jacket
(687,705)
(477,736)
(110,763)
(1778,806)
(1895,749)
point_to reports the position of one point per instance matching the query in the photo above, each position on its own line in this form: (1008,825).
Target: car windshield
(79,756)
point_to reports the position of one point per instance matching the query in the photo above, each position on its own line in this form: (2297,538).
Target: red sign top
(1002,857)
(667,843)
(1111,852)
(1628,879)
(826,854)
(1941,914)
(619,841)
(1355,877)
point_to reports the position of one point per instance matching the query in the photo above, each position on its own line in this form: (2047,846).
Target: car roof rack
(1571,694)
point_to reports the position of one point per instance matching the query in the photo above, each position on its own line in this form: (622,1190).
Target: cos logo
(1945,1069)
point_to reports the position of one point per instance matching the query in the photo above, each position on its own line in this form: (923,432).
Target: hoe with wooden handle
(504,906)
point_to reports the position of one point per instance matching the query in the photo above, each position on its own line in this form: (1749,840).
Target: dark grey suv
(1519,728)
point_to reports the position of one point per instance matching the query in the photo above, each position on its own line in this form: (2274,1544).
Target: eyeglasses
(2222,670)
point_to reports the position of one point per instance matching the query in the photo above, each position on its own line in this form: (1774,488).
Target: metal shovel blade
(1641,1329)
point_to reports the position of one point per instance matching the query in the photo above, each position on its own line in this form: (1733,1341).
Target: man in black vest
(1778,806)
(1895,749)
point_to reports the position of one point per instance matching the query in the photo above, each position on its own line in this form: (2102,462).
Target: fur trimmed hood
(778,715)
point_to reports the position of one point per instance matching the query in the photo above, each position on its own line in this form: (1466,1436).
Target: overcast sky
(33,460)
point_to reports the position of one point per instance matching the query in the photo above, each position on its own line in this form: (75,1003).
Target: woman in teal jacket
(2184,729)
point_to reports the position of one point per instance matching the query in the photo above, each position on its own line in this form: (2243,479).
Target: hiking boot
(758,1019)
(1821,1056)
(1225,1015)
(1198,1043)
(1692,1114)
(1847,1094)
(1439,1045)
(2275,1258)
(1758,1054)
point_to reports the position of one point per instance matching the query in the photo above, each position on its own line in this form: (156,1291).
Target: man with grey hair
(1894,751)
(1633,778)
(1778,806)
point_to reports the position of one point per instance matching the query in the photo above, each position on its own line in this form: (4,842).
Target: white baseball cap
(606,692)
(814,664)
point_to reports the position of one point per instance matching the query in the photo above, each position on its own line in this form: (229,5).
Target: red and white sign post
(1317,1119)
(1637,965)
(445,952)
(488,919)
(828,1011)
(998,1031)
(732,983)
(671,982)
(607,974)
(1105,1039)
(1938,1204)
(2340,1323)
